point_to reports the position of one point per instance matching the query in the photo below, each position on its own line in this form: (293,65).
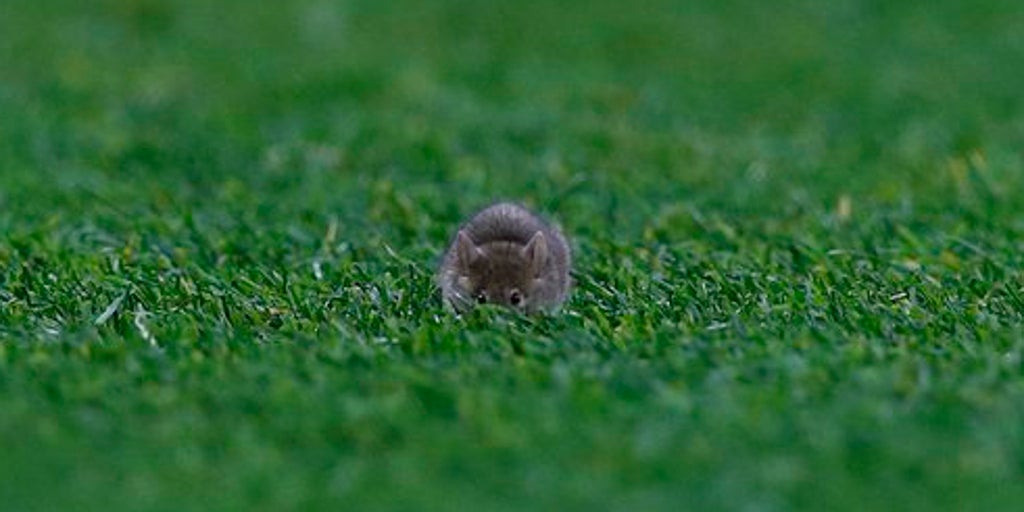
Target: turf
(798,227)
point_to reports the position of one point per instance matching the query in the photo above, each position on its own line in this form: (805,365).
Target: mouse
(508,256)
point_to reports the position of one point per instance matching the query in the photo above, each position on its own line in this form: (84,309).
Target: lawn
(798,230)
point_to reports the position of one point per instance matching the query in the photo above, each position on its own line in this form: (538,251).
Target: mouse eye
(515,298)
(481,297)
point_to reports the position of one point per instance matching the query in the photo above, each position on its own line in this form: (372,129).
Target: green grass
(799,229)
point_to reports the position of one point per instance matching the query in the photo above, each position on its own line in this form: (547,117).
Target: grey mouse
(509,256)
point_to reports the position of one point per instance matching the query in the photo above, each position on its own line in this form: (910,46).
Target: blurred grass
(798,230)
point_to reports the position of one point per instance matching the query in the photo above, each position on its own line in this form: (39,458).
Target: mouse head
(503,273)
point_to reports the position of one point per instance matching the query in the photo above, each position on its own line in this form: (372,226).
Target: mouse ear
(536,252)
(465,249)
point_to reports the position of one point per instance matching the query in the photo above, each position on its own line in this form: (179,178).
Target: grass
(799,233)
